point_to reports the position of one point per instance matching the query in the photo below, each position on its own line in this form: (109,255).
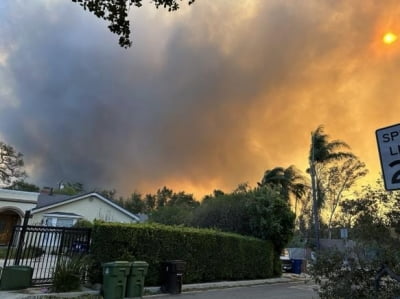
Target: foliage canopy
(116,13)
(11,164)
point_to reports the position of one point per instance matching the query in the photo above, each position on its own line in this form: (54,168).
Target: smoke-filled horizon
(208,97)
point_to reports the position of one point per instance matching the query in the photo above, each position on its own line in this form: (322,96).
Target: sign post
(388,139)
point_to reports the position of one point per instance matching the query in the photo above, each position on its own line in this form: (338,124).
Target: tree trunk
(314,189)
(315,210)
(330,226)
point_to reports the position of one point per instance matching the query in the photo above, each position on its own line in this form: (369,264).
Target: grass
(30,252)
(3,252)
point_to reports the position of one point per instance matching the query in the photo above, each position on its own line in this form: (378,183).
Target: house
(57,210)
(63,210)
(13,205)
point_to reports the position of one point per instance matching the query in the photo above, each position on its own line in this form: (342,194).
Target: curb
(33,292)
(36,292)
(231,284)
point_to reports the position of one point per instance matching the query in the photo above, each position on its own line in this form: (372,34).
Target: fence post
(61,244)
(10,246)
(21,237)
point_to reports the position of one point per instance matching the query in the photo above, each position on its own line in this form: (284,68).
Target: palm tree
(290,181)
(322,152)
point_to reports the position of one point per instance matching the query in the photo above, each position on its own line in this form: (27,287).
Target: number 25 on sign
(388,139)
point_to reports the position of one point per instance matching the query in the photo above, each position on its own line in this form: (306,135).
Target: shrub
(83,223)
(209,255)
(3,252)
(68,274)
(350,274)
(33,252)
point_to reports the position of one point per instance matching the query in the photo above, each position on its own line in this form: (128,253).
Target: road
(298,290)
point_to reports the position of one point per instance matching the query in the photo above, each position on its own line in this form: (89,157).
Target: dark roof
(46,200)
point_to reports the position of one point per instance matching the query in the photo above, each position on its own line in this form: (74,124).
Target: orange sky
(207,98)
(318,63)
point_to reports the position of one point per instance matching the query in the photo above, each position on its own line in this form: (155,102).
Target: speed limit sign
(388,139)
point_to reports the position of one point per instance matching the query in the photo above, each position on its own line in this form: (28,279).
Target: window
(50,221)
(56,221)
(65,222)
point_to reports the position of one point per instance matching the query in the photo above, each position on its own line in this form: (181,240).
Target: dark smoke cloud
(208,97)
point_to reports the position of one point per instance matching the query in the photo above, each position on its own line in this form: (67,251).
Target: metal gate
(41,247)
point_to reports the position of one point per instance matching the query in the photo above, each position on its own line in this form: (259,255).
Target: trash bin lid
(19,267)
(176,262)
(140,264)
(117,264)
(174,266)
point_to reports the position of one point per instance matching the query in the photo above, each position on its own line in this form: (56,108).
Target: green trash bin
(135,280)
(16,277)
(114,279)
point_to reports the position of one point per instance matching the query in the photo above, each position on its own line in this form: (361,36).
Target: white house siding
(17,207)
(91,208)
(13,205)
(17,201)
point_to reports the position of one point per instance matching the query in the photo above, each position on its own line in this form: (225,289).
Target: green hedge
(209,255)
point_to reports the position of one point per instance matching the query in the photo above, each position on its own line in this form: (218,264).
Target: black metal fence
(42,247)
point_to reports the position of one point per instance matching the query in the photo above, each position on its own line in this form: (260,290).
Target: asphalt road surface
(297,290)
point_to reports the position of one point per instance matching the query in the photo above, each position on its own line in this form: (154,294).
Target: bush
(3,252)
(68,274)
(209,255)
(350,274)
(34,252)
(83,223)
(30,252)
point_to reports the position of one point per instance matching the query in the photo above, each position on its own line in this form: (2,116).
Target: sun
(389,38)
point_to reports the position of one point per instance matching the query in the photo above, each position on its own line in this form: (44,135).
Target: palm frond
(336,144)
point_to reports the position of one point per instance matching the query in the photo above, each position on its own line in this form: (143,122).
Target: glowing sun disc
(389,38)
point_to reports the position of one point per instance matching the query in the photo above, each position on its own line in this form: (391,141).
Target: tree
(109,194)
(322,152)
(149,202)
(163,196)
(270,217)
(11,164)
(183,199)
(135,204)
(226,212)
(290,181)
(171,208)
(21,185)
(215,193)
(372,211)
(69,188)
(116,12)
(259,212)
(338,179)
(355,273)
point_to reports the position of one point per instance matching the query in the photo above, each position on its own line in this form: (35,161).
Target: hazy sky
(208,97)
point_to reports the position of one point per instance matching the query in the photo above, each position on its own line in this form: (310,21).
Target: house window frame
(54,219)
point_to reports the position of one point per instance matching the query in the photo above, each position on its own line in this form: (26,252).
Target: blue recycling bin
(296,266)
(80,247)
